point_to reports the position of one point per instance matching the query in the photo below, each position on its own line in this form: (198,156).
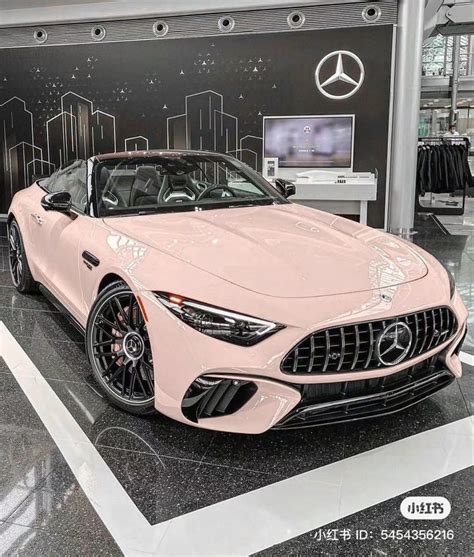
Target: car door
(57,237)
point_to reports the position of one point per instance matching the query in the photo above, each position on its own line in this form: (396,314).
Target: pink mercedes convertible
(205,294)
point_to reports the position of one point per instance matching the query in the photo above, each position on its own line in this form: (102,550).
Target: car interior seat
(146,187)
(177,189)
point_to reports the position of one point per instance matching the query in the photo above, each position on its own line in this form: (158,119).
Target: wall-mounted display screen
(310,141)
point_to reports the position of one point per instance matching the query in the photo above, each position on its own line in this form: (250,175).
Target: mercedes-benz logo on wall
(394,344)
(336,63)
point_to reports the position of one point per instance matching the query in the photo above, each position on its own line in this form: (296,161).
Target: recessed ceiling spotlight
(160,28)
(296,19)
(371,14)
(98,32)
(40,35)
(226,23)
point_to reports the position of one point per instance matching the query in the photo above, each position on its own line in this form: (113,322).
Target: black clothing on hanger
(443,165)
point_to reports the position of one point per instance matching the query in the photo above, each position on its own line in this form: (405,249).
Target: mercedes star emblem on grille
(355,80)
(394,343)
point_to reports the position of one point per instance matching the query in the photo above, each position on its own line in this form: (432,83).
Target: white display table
(337,194)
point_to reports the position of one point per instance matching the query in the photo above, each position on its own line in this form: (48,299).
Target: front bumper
(384,397)
(182,355)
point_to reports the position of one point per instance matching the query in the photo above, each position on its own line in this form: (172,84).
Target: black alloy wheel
(20,272)
(16,250)
(119,350)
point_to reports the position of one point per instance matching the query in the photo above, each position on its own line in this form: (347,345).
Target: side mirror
(285,187)
(60,201)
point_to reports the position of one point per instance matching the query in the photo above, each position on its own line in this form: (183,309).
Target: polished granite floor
(169,469)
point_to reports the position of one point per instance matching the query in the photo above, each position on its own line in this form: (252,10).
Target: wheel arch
(92,289)
(107,280)
(26,283)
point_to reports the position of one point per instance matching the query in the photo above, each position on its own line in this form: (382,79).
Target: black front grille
(353,347)
(323,404)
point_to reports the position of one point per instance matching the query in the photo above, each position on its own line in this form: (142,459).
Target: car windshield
(177,182)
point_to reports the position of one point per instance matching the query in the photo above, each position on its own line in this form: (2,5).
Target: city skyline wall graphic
(210,93)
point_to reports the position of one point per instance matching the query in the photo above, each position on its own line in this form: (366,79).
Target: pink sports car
(205,294)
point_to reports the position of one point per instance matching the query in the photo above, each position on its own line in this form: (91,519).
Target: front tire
(20,271)
(119,350)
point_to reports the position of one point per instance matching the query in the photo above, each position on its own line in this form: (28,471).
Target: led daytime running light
(217,322)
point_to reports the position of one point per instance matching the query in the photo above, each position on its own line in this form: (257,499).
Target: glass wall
(438,56)
(466,122)
(438,61)
(435,121)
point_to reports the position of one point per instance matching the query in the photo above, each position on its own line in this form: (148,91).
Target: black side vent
(211,397)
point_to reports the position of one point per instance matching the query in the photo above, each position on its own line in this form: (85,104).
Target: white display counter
(337,193)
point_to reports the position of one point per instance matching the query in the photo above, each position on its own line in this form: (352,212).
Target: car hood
(286,251)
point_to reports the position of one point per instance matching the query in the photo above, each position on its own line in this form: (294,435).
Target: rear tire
(19,269)
(119,350)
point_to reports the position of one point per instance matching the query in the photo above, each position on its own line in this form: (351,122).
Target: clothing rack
(445,139)
(440,140)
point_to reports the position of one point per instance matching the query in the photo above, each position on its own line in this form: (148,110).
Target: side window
(71,178)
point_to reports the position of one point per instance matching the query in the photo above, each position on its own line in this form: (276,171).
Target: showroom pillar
(407,92)
(453,115)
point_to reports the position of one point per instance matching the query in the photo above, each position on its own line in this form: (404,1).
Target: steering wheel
(205,193)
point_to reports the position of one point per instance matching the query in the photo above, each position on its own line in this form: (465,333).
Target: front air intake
(211,397)
(330,403)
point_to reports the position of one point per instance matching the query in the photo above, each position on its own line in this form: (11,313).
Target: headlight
(452,285)
(219,323)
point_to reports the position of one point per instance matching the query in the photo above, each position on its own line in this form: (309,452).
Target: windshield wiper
(235,204)
(252,202)
(158,210)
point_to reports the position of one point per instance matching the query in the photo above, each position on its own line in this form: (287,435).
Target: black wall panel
(58,103)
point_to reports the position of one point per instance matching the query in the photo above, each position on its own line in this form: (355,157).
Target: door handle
(37,218)
(90,259)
